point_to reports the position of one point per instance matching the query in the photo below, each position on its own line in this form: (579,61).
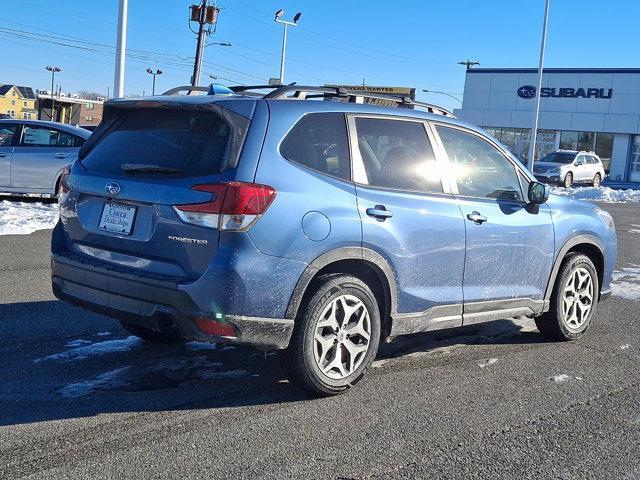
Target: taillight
(234,206)
(64,180)
(216,327)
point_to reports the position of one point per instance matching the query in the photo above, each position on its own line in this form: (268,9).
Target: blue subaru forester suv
(315,221)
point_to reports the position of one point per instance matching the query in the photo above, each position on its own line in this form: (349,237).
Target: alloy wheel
(596,180)
(568,180)
(342,337)
(577,298)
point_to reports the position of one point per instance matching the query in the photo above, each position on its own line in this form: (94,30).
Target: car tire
(153,336)
(568,180)
(339,314)
(596,180)
(569,317)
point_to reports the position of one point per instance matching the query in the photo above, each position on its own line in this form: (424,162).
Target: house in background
(17,101)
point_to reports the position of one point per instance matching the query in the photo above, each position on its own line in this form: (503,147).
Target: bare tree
(88,95)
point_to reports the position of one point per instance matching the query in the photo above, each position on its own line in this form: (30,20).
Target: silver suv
(566,167)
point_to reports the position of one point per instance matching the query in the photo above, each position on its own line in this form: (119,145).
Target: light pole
(53,71)
(121,45)
(151,72)
(442,93)
(536,112)
(286,24)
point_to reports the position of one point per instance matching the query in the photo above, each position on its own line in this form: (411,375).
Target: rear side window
(397,154)
(6,134)
(319,141)
(185,143)
(48,137)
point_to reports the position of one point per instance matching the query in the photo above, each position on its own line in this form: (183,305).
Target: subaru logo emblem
(112,189)
(527,91)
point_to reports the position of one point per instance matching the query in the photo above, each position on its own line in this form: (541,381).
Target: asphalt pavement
(79,398)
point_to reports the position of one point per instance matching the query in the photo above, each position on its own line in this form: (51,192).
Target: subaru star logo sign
(527,91)
(112,188)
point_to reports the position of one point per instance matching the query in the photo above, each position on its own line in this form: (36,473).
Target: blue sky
(402,43)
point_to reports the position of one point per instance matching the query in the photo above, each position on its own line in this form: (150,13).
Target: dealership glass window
(569,140)
(634,168)
(585,141)
(603,148)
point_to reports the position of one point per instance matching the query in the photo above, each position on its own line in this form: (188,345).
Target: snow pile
(599,194)
(22,218)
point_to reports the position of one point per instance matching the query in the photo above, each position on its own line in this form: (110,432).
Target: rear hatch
(142,162)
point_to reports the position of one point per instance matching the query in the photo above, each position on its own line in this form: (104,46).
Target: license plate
(117,218)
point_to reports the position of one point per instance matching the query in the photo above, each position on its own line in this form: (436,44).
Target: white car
(566,167)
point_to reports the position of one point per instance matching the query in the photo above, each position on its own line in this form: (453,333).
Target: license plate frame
(117,218)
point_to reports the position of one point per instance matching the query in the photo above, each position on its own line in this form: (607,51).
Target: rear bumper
(153,303)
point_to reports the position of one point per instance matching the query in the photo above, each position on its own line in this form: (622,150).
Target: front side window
(319,141)
(48,137)
(479,169)
(397,154)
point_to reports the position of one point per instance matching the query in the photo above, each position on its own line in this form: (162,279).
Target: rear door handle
(4,155)
(380,212)
(62,155)
(476,218)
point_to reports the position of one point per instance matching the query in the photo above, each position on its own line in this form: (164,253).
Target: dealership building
(592,109)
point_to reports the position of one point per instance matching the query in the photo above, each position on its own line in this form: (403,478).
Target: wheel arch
(364,263)
(586,244)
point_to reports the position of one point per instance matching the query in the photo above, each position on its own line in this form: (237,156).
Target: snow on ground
(599,194)
(153,375)
(81,349)
(22,218)
(626,283)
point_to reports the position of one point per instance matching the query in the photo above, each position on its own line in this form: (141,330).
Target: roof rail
(301,93)
(186,88)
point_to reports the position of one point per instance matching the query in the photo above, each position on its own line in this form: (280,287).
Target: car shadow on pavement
(61,362)
(32,199)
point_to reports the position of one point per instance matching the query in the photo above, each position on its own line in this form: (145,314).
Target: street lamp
(151,72)
(53,71)
(286,24)
(442,93)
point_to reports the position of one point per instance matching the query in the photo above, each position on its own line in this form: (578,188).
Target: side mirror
(538,193)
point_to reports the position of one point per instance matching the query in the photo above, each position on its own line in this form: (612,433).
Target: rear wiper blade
(142,168)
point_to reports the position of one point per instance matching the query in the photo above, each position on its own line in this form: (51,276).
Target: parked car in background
(33,154)
(566,167)
(318,228)
(91,128)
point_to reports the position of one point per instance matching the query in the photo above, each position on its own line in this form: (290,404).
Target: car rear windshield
(557,157)
(165,142)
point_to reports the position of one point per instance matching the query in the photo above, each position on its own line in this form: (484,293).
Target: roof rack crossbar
(300,92)
(186,88)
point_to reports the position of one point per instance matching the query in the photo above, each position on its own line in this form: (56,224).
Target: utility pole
(468,63)
(53,71)
(286,24)
(206,16)
(536,111)
(121,45)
